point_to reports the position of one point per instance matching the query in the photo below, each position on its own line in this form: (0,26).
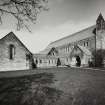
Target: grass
(28,90)
(56,86)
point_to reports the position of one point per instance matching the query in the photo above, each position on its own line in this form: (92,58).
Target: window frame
(11,52)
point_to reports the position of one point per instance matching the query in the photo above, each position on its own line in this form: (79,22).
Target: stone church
(13,54)
(68,51)
(74,48)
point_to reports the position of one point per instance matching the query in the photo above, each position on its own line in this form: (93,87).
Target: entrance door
(78,61)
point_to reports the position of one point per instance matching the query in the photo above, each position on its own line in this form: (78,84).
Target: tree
(24,11)
(98,58)
(58,62)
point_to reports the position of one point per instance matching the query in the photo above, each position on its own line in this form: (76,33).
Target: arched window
(36,61)
(11,52)
(84,44)
(87,43)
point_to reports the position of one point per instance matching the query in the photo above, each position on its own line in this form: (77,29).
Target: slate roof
(83,34)
(86,33)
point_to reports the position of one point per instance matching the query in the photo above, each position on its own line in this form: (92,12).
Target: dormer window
(11,52)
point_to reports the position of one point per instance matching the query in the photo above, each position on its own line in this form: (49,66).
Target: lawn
(56,86)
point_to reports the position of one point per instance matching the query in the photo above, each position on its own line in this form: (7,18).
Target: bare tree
(24,11)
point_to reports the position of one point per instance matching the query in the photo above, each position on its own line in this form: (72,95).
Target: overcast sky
(63,18)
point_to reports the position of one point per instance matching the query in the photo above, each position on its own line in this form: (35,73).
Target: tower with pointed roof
(100,32)
(100,23)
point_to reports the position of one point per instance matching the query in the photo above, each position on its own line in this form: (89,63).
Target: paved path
(50,70)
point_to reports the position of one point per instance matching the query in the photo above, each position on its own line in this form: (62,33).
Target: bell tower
(100,23)
(100,32)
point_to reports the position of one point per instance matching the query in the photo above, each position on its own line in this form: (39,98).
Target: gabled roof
(100,17)
(86,33)
(11,33)
(47,51)
(85,50)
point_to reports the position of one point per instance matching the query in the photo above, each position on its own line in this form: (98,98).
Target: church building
(13,54)
(74,49)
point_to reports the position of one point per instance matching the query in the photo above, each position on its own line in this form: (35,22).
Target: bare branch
(24,11)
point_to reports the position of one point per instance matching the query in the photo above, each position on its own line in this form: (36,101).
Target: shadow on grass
(90,96)
(83,97)
(29,90)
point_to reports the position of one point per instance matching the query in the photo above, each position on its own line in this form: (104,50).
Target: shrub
(58,62)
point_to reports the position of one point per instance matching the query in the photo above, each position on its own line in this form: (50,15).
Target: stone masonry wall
(19,62)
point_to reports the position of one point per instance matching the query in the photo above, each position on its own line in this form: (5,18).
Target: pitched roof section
(100,17)
(88,32)
(85,50)
(11,33)
(47,51)
(41,56)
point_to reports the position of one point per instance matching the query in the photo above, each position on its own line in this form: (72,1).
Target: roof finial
(100,16)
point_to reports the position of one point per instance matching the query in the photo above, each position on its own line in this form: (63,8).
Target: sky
(63,18)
